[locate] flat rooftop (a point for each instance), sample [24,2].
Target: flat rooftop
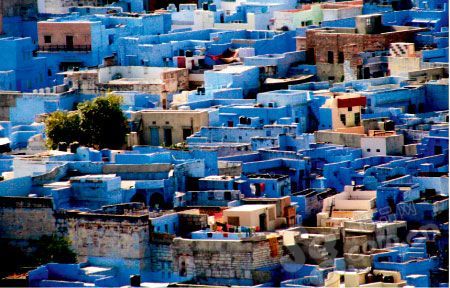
[249,208]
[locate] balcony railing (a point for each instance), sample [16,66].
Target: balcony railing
[77,48]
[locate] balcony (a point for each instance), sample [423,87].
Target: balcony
[55,48]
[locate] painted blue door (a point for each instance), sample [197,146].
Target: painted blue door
[154,136]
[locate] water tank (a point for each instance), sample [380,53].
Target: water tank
[73,147]
[135,280]
[62,146]
[389,125]
[369,24]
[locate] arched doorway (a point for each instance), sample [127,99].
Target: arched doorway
[138,197]
[156,200]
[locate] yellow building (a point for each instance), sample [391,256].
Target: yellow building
[167,127]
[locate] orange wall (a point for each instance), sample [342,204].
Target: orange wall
[81,33]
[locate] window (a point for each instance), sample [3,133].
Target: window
[437,150]
[341,57]
[69,41]
[166,228]
[110,39]
[378,150]
[350,109]
[330,57]
[47,39]
[310,55]
[357,119]
[227,195]
[343,119]
[368,149]
[210,195]
[182,269]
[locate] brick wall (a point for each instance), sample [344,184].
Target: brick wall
[350,44]
[160,253]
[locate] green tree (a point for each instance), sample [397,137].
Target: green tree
[99,123]
[102,122]
[54,249]
[62,126]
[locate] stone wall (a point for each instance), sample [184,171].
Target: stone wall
[338,138]
[215,260]
[26,218]
[116,236]
[161,251]
[192,222]
[7,100]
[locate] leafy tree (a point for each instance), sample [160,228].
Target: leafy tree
[62,127]
[102,122]
[54,249]
[99,123]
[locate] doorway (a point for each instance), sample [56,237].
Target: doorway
[69,42]
[263,222]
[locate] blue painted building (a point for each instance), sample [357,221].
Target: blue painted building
[19,69]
